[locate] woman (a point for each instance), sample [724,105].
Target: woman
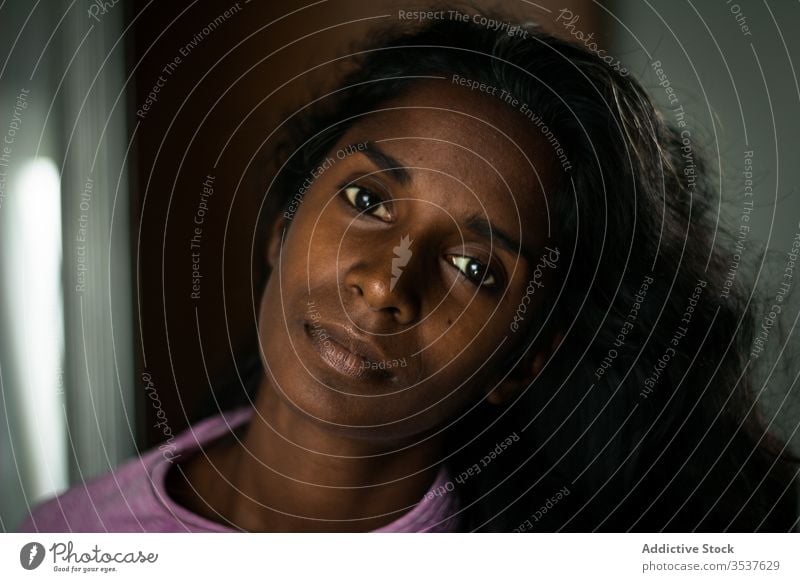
[494,303]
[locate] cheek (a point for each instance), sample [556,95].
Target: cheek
[459,367]
[474,344]
[479,329]
[318,242]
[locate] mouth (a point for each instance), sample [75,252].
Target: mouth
[346,354]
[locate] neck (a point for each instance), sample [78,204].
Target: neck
[290,473]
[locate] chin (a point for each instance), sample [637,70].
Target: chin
[377,418]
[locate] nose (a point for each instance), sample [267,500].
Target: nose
[384,277]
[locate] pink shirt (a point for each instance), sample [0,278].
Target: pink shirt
[133,498]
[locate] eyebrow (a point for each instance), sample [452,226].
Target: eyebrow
[482,227]
[393,167]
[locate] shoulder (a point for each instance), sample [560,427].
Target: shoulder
[106,503]
[132,498]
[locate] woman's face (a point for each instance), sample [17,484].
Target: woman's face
[392,293]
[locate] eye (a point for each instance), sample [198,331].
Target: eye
[474,270]
[366,201]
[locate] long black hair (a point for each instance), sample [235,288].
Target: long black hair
[645,417]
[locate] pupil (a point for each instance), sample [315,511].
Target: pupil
[474,269]
[363,200]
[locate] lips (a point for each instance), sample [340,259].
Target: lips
[344,352]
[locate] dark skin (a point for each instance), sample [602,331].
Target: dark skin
[328,452]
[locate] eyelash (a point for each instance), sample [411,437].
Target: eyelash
[350,187]
[488,274]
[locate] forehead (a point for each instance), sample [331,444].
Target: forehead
[466,144]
